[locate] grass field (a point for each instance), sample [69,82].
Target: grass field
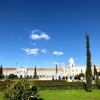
[1,96]
[70,95]
[67,95]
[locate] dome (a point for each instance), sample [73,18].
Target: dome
[71,61]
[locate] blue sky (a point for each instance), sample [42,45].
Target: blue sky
[45,32]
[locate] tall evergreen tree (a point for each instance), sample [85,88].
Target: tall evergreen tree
[1,72]
[95,71]
[56,70]
[35,72]
[88,66]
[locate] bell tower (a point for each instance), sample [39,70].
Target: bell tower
[71,63]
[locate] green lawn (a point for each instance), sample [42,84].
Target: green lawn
[70,95]
[67,95]
[1,96]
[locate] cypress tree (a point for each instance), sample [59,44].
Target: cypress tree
[56,70]
[1,72]
[35,72]
[88,66]
[95,71]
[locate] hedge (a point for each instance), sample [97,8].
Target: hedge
[60,85]
[49,84]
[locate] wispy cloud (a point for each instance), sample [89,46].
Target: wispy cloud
[34,51]
[58,53]
[38,34]
[43,50]
[31,51]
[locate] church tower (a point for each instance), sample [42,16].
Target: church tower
[71,63]
[71,68]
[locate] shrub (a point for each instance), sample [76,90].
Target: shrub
[59,77]
[2,85]
[77,77]
[22,90]
[5,83]
[12,76]
[63,78]
[81,75]
[2,76]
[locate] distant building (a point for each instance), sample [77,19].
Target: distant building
[70,71]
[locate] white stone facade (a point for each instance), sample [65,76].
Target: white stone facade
[70,71]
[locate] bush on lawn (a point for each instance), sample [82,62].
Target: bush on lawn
[4,84]
[12,76]
[22,90]
[77,77]
[2,76]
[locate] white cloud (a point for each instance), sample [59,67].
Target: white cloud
[58,53]
[36,31]
[38,34]
[43,50]
[31,51]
